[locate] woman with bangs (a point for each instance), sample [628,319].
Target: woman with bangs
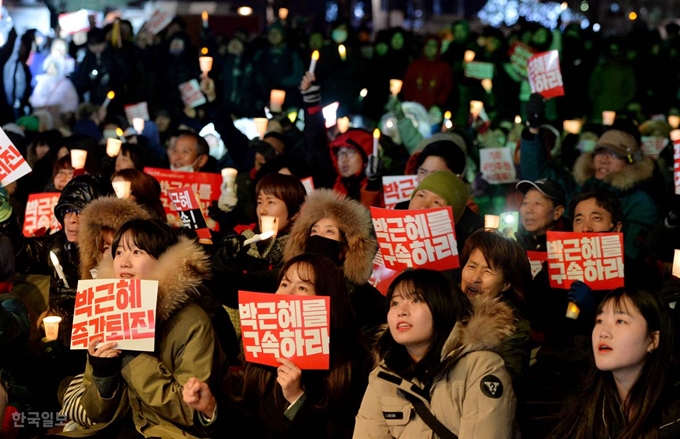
[286,401]
[631,392]
[438,372]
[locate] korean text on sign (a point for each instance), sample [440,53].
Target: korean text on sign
[497,165]
[293,327]
[40,213]
[381,276]
[398,188]
[545,76]
[519,57]
[120,310]
[416,238]
[676,166]
[191,93]
[189,210]
[12,163]
[593,258]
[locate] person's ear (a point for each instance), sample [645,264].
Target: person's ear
[559,210]
[618,226]
[654,342]
[202,160]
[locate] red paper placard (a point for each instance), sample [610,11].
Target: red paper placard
[416,238]
[39,213]
[12,163]
[398,188]
[381,277]
[593,258]
[544,73]
[189,210]
[282,326]
[536,260]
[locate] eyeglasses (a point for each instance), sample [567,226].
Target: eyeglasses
[69,210]
[345,153]
[608,153]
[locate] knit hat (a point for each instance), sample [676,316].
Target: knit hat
[360,140]
[31,123]
[620,143]
[448,186]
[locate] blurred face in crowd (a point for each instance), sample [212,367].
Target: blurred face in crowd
[235,46]
[315,41]
[425,199]
[431,49]
[431,164]
[298,280]
[607,162]
[131,262]
[275,37]
[184,153]
[478,277]
[124,161]
[538,213]
[460,32]
[327,228]
[41,149]
[259,161]
[589,217]
[349,161]
[58,48]
[277,144]
[71,224]
[64,175]
[162,122]
[410,321]
[270,205]
[397,41]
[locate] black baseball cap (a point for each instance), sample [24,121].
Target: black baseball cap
[547,187]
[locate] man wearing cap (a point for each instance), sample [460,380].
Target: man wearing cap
[541,210]
[616,164]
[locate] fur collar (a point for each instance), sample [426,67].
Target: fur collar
[355,224]
[179,272]
[628,178]
[105,213]
[489,324]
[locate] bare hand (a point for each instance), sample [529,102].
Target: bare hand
[208,87]
[289,377]
[307,81]
[106,350]
[197,395]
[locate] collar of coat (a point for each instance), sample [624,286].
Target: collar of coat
[179,272]
[623,180]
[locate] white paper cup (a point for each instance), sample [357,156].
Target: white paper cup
[121,188]
[469,56]
[51,324]
[229,175]
[608,117]
[342,124]
[78,157]
[276,99]
[261,124]
[206,63]
[138,124]
[572,126]
[476,108]
[572,311]
[269,223]
[395,86]
[113,146]
[492,221]
[674,121]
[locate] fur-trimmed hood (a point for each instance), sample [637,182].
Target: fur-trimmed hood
[354,221]
[179,272]
[624,180]
[491,321]
[106,213]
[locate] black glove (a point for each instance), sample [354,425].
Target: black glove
[535,110]
[374,174]
[232,246]
[670,290]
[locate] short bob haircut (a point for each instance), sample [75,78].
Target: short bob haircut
[151,235]
[447,304]
[604,199]
[286,188]
[503,254]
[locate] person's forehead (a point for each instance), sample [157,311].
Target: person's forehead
[592,204]
[533,193]
[185,142]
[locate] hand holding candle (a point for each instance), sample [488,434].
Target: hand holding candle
[476,108]
[608,118]
[110,95]
[258,238]
[205,63]
[51,324]
[312,63]
[276,99]
[113,146]
[395,86]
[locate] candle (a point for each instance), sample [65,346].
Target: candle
[608,117]
[51,324]
[376,138]
[60,271]
[138,124]
[343,124]
[121,188]
[312,63]
[258,238]
[674,121]
[572,311]
[342,51]
[269,223]
[476,108]
[204,18]
[572,126]
[518,119]
[469,56]
[363,93]
[261,124]
[487,84]
[229,175]
[205,62]
[492,221]
[395,86]
[110,95]
[283,13]
[113,146]
[675,135]
[276,99]
[78,157]
[676,264]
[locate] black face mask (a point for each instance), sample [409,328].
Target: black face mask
[329,248]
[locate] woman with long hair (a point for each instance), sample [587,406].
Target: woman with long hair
[629,393]
[437,360]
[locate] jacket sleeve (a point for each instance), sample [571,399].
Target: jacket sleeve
[489,405]
[641,215]
[370,422]
[97,408]
[159,388]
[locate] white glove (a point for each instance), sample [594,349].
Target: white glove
[228,199]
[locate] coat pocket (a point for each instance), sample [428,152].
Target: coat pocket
[396,411]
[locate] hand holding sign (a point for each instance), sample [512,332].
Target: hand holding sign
[289,377]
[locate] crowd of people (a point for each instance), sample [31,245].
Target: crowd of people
[480,351]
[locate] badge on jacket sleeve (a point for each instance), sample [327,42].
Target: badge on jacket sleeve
[492,387]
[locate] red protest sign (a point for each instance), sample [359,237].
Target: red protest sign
[652,146]
[39,213]
[205,185]
[398,188]
[381,277]
[519,57]
[279,326]
[416,238]
[497,165]
[138,110]
[192,95]
[536,260]
[190,212]
[544,73]
[12,163]
[593,258]
[120,310]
